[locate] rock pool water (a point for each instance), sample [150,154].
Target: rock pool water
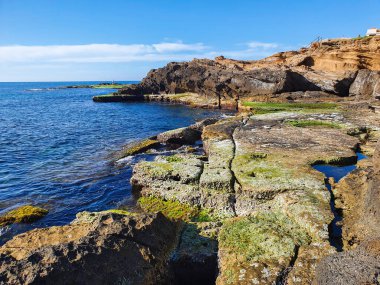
[55,147]
[336,172]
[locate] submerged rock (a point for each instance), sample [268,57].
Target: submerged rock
[138,147]
[24,214]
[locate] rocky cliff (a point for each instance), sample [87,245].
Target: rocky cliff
[329,66]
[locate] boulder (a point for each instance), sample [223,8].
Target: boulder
[111,249]
[366,85]
[331,82]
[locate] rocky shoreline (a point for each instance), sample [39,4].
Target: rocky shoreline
[250,209]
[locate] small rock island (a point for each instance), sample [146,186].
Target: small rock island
[252,208]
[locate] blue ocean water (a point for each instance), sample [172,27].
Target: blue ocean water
[55,147]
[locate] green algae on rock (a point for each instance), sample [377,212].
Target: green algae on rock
[258,248]
[173,210]
[313,123]
[271,107]
[24,214]
[138,147]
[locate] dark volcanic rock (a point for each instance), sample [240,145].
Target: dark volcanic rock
[208,77]
[105,248]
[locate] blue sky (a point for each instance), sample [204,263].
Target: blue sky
[64,40]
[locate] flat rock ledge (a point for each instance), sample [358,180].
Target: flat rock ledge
[258,182]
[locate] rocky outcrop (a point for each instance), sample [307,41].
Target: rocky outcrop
[186,135]
[253,209]
[335,55]
[330,66]
[105,248]
[209,78]
[357,195]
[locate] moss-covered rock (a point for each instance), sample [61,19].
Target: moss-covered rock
[138,147]
[173,210]
[171,178]
[24,214]
[258,248]
[313,123]
[273,107]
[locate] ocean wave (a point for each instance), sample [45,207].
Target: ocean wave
[35,89]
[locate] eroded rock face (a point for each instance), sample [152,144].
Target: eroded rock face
[335,55]
[106,248]
[366,85]
[207,77]
[195,261]
[330,66]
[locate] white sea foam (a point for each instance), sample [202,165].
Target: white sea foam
[125,160]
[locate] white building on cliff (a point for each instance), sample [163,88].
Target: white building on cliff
[373,32]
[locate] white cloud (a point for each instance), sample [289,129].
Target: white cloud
[260,45]
[111,61]
[255,50]
[99,53]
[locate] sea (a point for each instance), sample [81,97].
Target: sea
[57,148]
